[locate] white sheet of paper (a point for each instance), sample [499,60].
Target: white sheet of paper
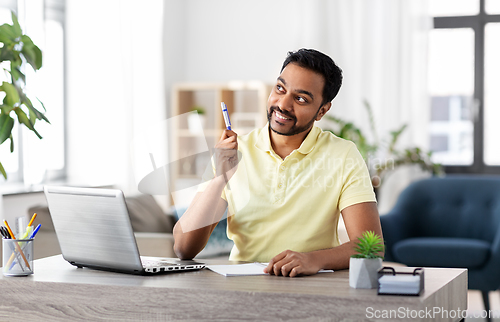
[244,269]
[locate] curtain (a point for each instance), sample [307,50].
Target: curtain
[381,45]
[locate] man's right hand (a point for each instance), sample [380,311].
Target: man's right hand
[226,155]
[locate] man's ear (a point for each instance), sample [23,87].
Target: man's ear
[322,110]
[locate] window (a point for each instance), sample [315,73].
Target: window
[33,159]
[463,71]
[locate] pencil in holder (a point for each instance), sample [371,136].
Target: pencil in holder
[17,259]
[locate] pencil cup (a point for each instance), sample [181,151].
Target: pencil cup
[17,257]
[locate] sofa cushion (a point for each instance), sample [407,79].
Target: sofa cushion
[442,252]
[147,216]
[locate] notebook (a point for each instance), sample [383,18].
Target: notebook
[94,230]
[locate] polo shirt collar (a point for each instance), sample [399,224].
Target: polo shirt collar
[264,141]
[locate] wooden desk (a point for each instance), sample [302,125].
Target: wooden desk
[60,292]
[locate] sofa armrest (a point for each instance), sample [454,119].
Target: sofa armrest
[394,229]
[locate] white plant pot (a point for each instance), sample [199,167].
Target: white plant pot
[363,272]
[196,123]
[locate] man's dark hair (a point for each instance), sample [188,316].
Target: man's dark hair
[319,63]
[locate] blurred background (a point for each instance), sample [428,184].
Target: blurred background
[111,68]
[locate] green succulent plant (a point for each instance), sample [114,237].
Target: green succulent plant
[370,245]
[17,50]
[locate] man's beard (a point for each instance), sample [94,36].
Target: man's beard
[294,129]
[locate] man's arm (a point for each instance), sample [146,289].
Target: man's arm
[192,231]
[358,218]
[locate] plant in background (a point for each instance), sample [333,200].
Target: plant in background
[17,50]
[370,245]
[199,109]
[382,156]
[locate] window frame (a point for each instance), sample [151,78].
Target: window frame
[52,10]
[477,23]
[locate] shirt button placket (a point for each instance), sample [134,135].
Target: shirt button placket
[280,190]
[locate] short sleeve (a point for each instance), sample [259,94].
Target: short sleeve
[357,186]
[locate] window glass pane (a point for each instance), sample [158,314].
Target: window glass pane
[491,94]
[439,8]
[51,93]
[451,87]
[492,6]
[47,85]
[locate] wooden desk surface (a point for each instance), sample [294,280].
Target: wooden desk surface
[59,291]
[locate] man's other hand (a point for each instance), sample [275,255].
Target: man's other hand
[290,263]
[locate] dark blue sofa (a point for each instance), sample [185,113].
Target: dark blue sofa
[449,222]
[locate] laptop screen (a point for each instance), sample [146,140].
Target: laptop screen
[93,227]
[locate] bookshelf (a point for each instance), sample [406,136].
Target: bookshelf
[191,144]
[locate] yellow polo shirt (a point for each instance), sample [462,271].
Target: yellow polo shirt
[295,203]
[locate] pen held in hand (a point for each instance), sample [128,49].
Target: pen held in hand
[226,115]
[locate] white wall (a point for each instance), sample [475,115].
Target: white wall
[115,85]
[228,40]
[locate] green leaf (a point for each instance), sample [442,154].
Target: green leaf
[16,28]
[395,136]
[11,94]
[6,54]
[7,34]
[23,118]
[43,106]
[6,109]
[369,246]
[27,102]
[31,52]
[16,74]
[6,125]
[2,170]
[11,144]
[32,117]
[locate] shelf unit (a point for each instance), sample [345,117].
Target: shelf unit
[246,103]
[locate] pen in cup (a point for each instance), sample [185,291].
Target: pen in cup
[6,235]
[26,234]
[17,245]
[226,115]
[33,234]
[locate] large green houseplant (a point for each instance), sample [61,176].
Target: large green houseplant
[382,156]
[17,50]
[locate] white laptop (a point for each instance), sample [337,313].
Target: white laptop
[94,230]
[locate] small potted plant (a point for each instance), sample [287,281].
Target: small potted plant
[364,265]
[196,119]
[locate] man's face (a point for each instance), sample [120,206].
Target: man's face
[295,101]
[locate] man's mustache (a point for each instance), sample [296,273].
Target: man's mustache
[287,114]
